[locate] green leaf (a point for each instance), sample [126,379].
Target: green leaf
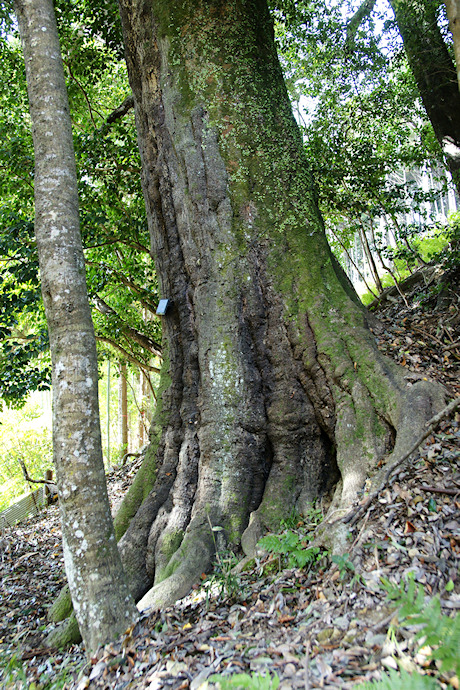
[243,680]
[402,681]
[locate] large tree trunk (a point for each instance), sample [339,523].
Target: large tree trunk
[434,73]
[273,387]
[102,601]
[453,14]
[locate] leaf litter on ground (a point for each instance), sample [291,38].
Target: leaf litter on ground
[327,626]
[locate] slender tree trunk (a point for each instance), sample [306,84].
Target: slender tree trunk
[386,266]
[123,409]
[401,235]
[350,258]
[143,409]
[272,385]
[370,259]
[102,602]
[434,73]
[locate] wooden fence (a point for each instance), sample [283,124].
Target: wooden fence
[28,505]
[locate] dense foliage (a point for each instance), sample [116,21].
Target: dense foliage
[364,128]
[366,132]
[120,274]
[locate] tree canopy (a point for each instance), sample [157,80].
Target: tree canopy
[362,118]
[120,276]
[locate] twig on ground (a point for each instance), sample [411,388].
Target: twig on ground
[383,623]
[356,541]
[452,346]
[435,490]
[354,516]
[306,663]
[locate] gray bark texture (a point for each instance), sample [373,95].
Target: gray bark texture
[273,390]
[102,601]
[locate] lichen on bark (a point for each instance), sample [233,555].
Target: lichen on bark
[101,597]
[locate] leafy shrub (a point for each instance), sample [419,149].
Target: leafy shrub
[292,543]
[346,567]
[244,680]
[438,631]
[292,546]
[448,237]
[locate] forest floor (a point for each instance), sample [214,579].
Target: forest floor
[328,625]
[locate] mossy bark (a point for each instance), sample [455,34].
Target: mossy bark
[61,608]
[276,388]
[65,634]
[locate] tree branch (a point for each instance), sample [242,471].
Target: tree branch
[357,19]
[139,338]
[121,111]
[127,355]
[128,283]
[29,479]
[90,108]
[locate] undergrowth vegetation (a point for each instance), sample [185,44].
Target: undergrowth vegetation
[434,637]
[256,681]
[25,435]
[439,244]
[437,634]
[14,676]
[292,544]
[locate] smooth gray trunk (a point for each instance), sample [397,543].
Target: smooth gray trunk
[102,602]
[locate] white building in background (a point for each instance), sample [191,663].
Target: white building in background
[425,217]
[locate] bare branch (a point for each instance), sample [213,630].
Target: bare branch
[357,19]
[29,479]
[127,355]
[85,95]
[121,111]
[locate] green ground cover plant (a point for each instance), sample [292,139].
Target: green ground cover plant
[437,630]
[402,681]
[292,544]
[256,681]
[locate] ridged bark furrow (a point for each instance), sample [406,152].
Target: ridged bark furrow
[276,385]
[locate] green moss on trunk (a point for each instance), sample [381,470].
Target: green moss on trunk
[145,477]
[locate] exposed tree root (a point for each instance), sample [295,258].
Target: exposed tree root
[246,479]
[65,634]
[430,426]
[61,607]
